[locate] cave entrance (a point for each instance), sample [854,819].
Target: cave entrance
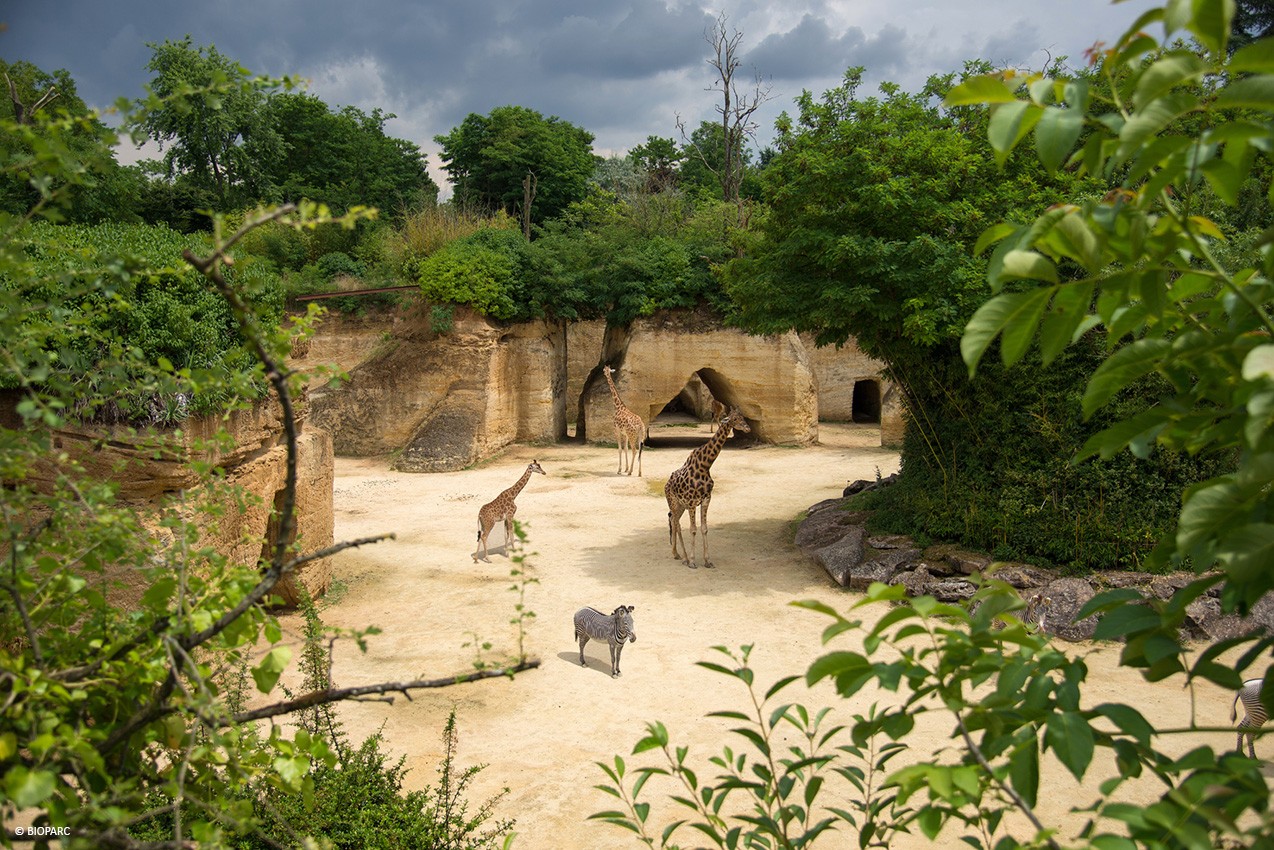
[271,538]
[865,406]
[686,418]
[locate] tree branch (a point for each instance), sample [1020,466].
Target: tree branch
[329,695]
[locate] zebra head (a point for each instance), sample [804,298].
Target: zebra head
[622,617]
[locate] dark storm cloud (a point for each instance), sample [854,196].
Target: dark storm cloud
[810,50]
[622,69]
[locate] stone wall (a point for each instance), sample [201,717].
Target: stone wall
[769,378]
[440,401]
[151,467]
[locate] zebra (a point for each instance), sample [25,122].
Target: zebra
[614,628]
[1254,716]
[1037,608]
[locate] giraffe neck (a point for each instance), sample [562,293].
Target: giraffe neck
[708,451]
[517,488]
[614,393]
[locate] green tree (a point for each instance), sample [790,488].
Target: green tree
[344,158]
[1144,268]
[660,159]
[99,189]
[112,718]
[488,159]
[219,150]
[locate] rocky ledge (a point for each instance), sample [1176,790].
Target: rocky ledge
[835,536]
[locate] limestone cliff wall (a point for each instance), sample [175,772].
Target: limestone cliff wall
[154,468]
[769,378]
[440,399]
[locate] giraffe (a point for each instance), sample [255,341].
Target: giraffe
[718,410]
[630,430]
[691,486]
[501,508]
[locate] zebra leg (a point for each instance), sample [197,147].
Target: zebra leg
[616,647]
[583,639]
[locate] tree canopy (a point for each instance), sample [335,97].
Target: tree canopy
[488,159]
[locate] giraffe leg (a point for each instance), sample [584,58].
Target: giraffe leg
[484,531]
[641,441]
[619,442]
[694,538]
[508,532]
[703,520]
[674,534]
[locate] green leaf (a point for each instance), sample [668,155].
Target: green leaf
[1126,365]
[1256,58]
[1166,73]
[1010,122]
[266,674]
[987,88]
[1071,739]
[1065,317]
[1247,553]
[1211,23]
[1003,313]
[29,788]
[1024,771]
[1254,92]
[1055,135]
[994,233]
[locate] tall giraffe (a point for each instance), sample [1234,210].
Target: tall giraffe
[501,508]
[691,487]
[630,430]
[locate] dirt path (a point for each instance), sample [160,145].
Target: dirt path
[600,539]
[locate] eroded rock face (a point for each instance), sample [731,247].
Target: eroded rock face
[769,378]
[443,401]
[834,536]
[152,468]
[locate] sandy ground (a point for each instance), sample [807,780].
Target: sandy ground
[600,539]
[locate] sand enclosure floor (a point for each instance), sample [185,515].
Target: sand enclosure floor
[600,539]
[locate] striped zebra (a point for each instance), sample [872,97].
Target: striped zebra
[1037,608]
[614,628]
[1254,716]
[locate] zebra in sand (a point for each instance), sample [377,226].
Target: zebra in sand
[614,628]
[1254,716]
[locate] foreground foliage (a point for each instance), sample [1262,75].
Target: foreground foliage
[1142,263]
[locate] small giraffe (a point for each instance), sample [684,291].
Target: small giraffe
[691,487]
[501,508]
[718,410]
[630,430]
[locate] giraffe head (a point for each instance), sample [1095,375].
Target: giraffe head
[535,467]
[607,371]
[736,421]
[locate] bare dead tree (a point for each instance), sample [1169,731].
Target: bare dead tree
[22,114]
[737,108]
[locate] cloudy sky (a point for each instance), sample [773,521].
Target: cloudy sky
[622,69]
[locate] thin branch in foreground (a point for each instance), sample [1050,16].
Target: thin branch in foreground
[323,697]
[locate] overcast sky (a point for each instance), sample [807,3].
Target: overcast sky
[621,69]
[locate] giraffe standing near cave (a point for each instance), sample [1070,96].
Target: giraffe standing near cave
[630,430]
[718,410]
[691,487]
[501,509]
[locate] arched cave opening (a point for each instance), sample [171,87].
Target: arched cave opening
[271,537]
[865,406]
[686,420]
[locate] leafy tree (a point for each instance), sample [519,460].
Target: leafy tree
[1146,270]
[344,159]
[660,159]
[488,159]
[99,189]
[107,710]
[220,150]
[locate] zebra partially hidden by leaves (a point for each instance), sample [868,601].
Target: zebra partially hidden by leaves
[1254,716]
[614,628]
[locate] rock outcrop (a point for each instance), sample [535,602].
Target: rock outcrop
[150,467]
[835,536]
[441,401]
[769,378]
